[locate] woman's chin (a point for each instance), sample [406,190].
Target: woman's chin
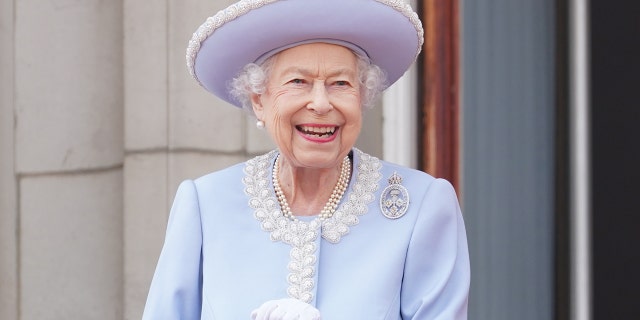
[317,159]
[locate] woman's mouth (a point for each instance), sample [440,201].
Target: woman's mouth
[317,132]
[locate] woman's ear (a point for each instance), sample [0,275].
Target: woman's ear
[257,105]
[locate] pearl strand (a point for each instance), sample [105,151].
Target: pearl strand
[332,204]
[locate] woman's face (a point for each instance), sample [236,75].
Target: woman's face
[311,106]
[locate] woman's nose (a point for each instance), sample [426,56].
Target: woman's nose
[319,99]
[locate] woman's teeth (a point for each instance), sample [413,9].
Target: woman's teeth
[321,132]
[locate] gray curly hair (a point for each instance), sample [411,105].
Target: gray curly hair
[253,77]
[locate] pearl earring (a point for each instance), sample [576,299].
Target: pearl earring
[260,124]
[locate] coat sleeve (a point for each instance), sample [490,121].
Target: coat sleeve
[437,272]
[176,288]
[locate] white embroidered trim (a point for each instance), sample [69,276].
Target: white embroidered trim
[244,6]
[302,235]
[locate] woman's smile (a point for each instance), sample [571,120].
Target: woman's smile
[317,132]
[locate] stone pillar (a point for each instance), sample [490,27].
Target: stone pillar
[175,130]
[146,136]
[69,153]
[8,200]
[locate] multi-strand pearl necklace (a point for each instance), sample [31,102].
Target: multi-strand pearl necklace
[331,205]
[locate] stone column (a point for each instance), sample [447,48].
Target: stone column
[8,200]
[69,153]
[146,135]
[175,130]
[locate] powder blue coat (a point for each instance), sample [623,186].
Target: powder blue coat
[222,257]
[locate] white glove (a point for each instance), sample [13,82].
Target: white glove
[285,309]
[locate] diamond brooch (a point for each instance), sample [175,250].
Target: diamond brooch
[394,201]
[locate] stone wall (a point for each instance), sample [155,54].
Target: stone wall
[62,158]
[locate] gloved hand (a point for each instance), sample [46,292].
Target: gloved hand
[285,309]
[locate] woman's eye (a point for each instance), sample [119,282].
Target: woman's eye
[296,81]
[342,83]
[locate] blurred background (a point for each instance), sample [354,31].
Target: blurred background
[528,106]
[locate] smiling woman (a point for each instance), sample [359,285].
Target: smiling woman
[315,87]
[312,89]
[297,232]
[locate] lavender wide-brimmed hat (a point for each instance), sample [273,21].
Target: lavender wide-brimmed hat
[388,32]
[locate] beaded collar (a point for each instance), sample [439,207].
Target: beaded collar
[302,235]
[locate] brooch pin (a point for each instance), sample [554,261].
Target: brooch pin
[394,201]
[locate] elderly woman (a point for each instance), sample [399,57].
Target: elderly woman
[315,228]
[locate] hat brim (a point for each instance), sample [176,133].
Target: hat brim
[391,36]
